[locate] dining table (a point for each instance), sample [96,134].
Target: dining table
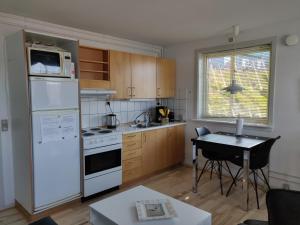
[230,142]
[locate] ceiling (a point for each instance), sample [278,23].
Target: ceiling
[161,22]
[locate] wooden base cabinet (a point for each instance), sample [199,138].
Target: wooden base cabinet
[162,148]
[177,149]
[145,153]
[131,156]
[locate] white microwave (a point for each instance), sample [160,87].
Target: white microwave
[49,62]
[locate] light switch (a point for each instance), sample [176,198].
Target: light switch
[4,125]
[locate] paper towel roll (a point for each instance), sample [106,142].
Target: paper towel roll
[239,126]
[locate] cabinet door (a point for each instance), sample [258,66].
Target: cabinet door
[176,145]
[120,74]
[180,144]
[162,148]
[143,76]
[149,155]
[166,78]
[172,148]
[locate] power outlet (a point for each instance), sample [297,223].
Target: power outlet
[286,186]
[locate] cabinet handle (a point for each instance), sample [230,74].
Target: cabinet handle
[131,136]
[131,153]
[145,138]
[158,91]
[133,91]
[131,145]
[129,91]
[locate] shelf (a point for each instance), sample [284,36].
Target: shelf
[94,71]
[91,83]
[93,61]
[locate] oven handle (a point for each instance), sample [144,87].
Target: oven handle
[93,151]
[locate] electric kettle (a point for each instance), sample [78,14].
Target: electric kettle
[111,121]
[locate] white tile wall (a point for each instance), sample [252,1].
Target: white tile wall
[93,110]
[181,105]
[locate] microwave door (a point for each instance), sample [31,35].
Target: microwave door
[45,63]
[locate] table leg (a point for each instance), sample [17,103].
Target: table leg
[195,168]
[245,181]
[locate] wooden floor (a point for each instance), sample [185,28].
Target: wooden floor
[175,183]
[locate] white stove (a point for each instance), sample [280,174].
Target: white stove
[98,137]
[102,159]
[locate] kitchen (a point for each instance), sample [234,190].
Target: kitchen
[87,116]
[112,154]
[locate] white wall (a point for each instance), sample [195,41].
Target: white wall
[10,24]
[285,155]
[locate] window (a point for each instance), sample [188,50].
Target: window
[251,68]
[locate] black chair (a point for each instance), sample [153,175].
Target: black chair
[214,156]
[259,158]
[283,208]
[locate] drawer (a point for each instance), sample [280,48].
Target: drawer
[131,153]
[132,163]
[132,174]
[130,145]
[132,137]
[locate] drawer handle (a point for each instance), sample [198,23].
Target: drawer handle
[130,136]
[131,145]
[131,153]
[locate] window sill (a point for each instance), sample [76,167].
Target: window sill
[232,123]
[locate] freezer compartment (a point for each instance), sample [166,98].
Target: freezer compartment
[53,93]
[56,156]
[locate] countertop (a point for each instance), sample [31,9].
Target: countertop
[126,129]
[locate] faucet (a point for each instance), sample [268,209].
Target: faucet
[147,116]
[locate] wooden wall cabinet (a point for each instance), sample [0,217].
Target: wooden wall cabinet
[94,68]
[143,76]
[132,75]
[165,78]
[120,74]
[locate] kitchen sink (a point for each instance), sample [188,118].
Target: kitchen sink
[149,125]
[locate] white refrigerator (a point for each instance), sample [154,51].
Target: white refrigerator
[56,141]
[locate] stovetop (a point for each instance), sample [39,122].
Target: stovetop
[95,137]
[95,131]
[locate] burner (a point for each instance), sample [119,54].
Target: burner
[104,131]
[95,129]
[83,131]
[88,134]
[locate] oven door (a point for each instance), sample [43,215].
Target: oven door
[103,160]
[44,62]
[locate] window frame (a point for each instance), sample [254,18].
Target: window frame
[201,83]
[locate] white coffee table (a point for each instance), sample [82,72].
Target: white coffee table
[120,209]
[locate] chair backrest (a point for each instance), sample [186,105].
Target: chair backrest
[283,207]
[202,131]
[259,156]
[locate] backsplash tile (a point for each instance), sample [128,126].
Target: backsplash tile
[93,110]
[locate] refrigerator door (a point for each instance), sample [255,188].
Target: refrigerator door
[56,157]
[53,93]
